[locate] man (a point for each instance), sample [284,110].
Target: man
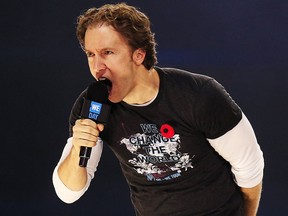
[184,146]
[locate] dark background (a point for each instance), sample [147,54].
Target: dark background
[243,44]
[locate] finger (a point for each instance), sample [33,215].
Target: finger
[86,122]
[100,127]
[83,142]
[82,139]
[87,130]
[86,127]
[85,136]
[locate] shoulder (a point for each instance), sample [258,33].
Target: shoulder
[212,107]
[182,77]
[76,109]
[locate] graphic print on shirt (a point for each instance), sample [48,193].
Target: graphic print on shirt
[157,157]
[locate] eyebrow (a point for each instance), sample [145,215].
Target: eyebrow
[106,48]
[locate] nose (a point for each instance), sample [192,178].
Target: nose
[96,66]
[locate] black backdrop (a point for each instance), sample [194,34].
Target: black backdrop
[243,44]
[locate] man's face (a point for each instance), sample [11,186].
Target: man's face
[110,58]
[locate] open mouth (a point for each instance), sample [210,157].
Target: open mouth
[107,83]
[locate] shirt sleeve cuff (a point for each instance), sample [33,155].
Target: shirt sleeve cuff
[64,193]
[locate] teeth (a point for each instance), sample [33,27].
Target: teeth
[102,78]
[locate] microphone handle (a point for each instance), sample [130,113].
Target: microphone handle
[100,116]
[84,155]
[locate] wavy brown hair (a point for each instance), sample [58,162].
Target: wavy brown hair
[132,24]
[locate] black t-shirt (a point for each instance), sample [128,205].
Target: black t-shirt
[163,151]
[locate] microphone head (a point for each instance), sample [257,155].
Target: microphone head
[98,91]
[96,105]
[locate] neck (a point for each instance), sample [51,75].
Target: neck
[146,88]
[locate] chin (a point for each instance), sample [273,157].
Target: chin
[114,100]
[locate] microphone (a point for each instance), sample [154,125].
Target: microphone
[95,107]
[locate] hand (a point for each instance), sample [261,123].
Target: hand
[85,133]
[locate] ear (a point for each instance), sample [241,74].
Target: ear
[139,56]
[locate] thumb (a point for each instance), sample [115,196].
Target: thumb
[100,127]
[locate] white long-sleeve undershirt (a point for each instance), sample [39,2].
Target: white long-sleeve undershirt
[240,148]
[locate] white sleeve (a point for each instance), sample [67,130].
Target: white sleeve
[240,148]
[64,193]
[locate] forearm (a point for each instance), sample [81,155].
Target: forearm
[251,197]
[64,177]
[71,174]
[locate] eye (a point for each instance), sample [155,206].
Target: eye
[107,52]
[89,54]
